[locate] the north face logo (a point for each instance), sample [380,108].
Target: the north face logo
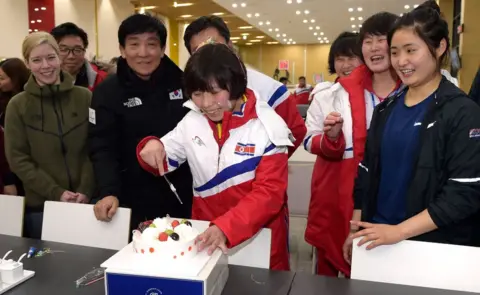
[133,102]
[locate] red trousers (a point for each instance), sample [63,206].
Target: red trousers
[324,267]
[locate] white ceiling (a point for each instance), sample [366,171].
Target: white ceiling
[330,17]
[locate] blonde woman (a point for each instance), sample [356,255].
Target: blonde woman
[45,133]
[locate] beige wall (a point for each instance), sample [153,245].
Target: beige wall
[305,60]
[469,43]
[14,26]
[446,7]
[81,13]
[110,14]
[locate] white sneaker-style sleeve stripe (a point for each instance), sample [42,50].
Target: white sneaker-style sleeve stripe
[466,180]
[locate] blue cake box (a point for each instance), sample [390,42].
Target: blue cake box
[126,274]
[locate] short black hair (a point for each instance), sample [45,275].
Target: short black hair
[346,44]
[142,23]
[283,79]
[69,29]
[429,25]
[203,23]
[301,77]
[378,24]
[215,64]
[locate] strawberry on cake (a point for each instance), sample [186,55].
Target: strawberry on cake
[166,238]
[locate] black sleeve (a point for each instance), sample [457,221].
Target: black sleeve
[362,182]
[460,196]
[9,178]
[103,142]
[475,88]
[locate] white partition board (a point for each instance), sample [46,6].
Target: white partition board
[11,215]
[419,264]
[73,223]
[254,252]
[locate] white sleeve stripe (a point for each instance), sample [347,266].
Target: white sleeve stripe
[279,96]
[275,150]
[307,143]
[466,180]
[363,166]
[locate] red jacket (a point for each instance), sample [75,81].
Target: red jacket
[278,97]
[302,95]
[331,203]
[95,76]
[240,173]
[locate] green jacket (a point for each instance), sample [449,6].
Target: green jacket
[46,140]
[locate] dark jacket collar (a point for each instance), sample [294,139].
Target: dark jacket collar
[445,92]
[161,78]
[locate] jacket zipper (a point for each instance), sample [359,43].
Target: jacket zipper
[427,118]
[62,144]
[377,146]
[219,127]
[378,134]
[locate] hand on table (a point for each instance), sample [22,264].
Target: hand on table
[83,199]
[212,239]
[377,234]
[106,208]
[153,153]
[10,190]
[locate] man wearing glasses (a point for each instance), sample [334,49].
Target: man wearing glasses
[73,42]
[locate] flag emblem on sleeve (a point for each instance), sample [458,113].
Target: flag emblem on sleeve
[245,149]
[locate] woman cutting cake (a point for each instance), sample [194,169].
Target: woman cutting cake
[236,146]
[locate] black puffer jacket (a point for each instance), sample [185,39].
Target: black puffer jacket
[124,110]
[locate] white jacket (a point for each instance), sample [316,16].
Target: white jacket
[193,140]
[331,97]
[268,89]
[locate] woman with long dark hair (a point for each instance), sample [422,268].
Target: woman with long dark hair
[14,75]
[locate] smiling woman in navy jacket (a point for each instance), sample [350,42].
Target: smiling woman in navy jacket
[420,177]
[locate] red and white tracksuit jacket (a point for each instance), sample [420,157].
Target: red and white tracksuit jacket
[95,76]
[240,171]
[302,94]
[282,101]
[331,203]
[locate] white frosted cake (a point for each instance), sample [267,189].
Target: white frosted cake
[166,238]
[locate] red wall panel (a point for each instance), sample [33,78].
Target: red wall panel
[41,15]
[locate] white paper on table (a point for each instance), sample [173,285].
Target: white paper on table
[422,264]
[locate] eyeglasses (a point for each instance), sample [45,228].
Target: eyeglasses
[76,51]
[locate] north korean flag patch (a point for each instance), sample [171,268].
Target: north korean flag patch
[242,149]
[177,94]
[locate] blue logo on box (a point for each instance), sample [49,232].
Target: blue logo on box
[153,291]
[122,284]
